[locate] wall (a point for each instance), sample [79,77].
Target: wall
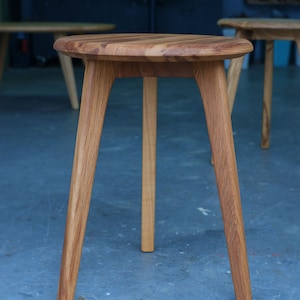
[133,15]
[172,16]
[4,10]
[236,8]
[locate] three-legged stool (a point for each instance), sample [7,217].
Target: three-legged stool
[267,29]
[150,56]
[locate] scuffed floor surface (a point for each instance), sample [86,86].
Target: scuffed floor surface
[37,136]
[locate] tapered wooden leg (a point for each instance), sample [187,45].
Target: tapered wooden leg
[234,72]
[267,101]
[233,77]
[4,37]
[149,163]
[98,80]
[68,72]
[210,77]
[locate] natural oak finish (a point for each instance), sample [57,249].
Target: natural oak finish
[58,29]
[260,29]
[150,56]
[149,162]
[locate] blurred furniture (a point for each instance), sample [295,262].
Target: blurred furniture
[111,56]
[58,30]
[267,30]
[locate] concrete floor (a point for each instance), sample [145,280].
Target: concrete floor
[190,262]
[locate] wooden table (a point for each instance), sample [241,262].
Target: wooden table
[260,29]
[58,29]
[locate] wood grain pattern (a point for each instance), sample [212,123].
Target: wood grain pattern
[260,29]
[149,163]
[210,77]
[152,47]
[98,80]
[99,76]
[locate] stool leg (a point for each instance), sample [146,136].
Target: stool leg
[210,77]
[234,73]
[98,80]
[68,72]
[267,101]
[233,77]
[149,162]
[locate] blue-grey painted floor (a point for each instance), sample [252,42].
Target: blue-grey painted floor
[37,135]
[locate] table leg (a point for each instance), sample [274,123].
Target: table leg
[68,72]
[267,101]
[4,38]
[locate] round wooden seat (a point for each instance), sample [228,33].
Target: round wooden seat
[153,47]
[150,56]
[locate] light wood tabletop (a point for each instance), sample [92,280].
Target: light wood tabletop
[58,29]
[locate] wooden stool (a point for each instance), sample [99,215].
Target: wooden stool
[150,56]
[58,29]
[260,29]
